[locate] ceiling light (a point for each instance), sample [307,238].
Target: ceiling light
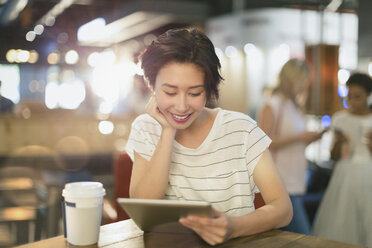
[30,36]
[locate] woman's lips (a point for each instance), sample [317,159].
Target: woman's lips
[180,118]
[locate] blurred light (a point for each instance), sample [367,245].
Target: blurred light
[33,86]
[34,56]
[30,36]
[326,120]
[39,29]
[15,10]
[53,58]
[52,95]
[94,59]
[71,94]
[11,55]
[50,20]
[342,91]
[280,55]
[254,56]
[107,57]
[102,116]
[112,82]
[148,39]
[67,76]
[62,38]
[345,104]
[105,108]
[106,127]
[231,51]
[26,113]
[219,53]
[23,56]
[52,74]
[71,57]
[139,70]
[370,68]
[285,50]
[343,75]
[10,77]
[91,30]
[249,48]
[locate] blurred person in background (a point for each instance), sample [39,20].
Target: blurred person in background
[345,213]
[282,118]
[6,105]
[183,150]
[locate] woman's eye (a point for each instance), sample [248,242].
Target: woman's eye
[195,94]
[170,93]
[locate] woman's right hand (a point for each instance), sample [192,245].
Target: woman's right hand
[153,110]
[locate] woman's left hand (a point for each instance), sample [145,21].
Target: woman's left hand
[212,230]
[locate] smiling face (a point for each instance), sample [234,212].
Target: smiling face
[357,99]
[180,93]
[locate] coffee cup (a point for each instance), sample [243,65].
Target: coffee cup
[83,212]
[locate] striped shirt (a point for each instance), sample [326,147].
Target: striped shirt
[219,171]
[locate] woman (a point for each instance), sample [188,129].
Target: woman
[345,213]
[183,150]
[282,119]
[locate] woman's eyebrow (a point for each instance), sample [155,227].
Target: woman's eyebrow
[175,87]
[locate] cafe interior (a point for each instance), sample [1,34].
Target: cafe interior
[71,69]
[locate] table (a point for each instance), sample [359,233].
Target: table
[127,234]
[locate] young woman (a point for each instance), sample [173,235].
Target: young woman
[283,120]
[345,213]
[183,150]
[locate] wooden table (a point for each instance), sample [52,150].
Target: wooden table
[126,234]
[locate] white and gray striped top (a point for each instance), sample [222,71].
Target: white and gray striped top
[219,171]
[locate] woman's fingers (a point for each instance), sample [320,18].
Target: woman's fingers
[212,230]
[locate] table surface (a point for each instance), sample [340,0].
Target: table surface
[126,234]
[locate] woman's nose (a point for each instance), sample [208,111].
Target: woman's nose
[181,104]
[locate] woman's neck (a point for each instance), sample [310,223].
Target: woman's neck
[194,135]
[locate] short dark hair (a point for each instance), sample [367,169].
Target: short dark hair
[183,46]
[360,79]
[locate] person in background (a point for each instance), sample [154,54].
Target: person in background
[183,150]
[6,105]
[345,213]
[282,118]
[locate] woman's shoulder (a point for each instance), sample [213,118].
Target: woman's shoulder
[229,117]
[145,120]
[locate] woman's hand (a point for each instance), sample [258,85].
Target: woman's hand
[212,230]
[153,110]
[309,137]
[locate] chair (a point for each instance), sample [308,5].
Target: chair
[122,173]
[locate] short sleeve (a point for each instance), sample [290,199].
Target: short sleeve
[256,144]
[140,140]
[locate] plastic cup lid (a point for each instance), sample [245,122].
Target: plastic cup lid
[83,190]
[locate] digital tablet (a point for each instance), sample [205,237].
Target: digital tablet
[149,214]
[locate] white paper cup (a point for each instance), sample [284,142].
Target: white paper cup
[83,211]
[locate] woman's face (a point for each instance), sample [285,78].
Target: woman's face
[180,93]
[357,99]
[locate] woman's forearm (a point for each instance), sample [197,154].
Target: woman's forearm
[281,142]
[154,174]
[274,215]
